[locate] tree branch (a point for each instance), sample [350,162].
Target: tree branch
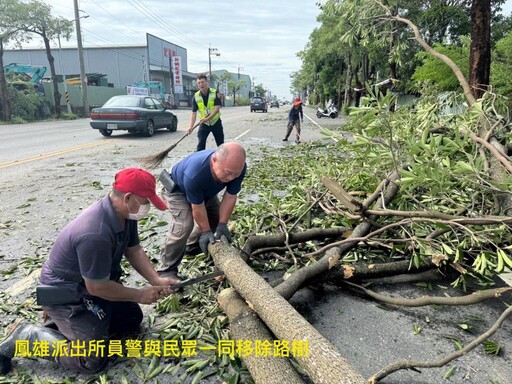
[445,59]
[497,154]
[408,364]
[475,297]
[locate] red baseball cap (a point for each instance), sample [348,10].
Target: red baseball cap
[140,183]
[297,101]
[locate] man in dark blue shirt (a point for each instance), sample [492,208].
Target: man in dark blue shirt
[198,179]
[86,262]
[295,117]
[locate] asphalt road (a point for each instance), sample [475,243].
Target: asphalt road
[28,146]
[50,171]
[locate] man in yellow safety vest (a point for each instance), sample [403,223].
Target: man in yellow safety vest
[207,102]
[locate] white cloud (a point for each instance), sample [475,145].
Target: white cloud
[262,37]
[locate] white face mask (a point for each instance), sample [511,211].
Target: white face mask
[143,211]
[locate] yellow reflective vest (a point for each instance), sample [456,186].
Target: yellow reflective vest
[204,110]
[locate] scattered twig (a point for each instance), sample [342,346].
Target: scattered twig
[306,211]
[411,364]
[287,244]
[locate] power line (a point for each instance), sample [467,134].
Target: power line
[138,55]
[152,16]
[98,5]
[158,20]
[178,33]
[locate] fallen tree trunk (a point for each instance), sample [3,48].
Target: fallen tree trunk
[245,325]
[322,362]
[364,271]
[256,242]
[393,272]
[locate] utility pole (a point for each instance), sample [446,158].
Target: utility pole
[66,94]
[239,69]
[145,74]
[211,51]
[83,79]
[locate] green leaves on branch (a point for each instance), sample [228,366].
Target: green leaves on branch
[441,171]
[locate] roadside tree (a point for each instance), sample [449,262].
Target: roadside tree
[10,31]
[234,87]
[40,21]
[259,90]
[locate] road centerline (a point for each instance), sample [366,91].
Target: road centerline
[53,153]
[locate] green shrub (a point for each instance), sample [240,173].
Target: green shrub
[68,116]
[17,120]
[240,100]
[26,103]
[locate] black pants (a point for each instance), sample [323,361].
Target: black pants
[205,130]
[95,322]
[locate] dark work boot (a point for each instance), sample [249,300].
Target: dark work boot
[25,331]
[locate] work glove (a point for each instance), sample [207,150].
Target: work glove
[205,239]
[223,230]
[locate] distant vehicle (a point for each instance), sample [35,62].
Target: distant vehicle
[24,76]
[274,103]
[258,104]
[331,111]
[32,73]
[136,114]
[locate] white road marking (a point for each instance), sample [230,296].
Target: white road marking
[313,121]
[243,134]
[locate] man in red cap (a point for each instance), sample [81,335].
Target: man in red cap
[295,117]
[85,264]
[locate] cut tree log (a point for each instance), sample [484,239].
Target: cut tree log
[322,362]
[245,325]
